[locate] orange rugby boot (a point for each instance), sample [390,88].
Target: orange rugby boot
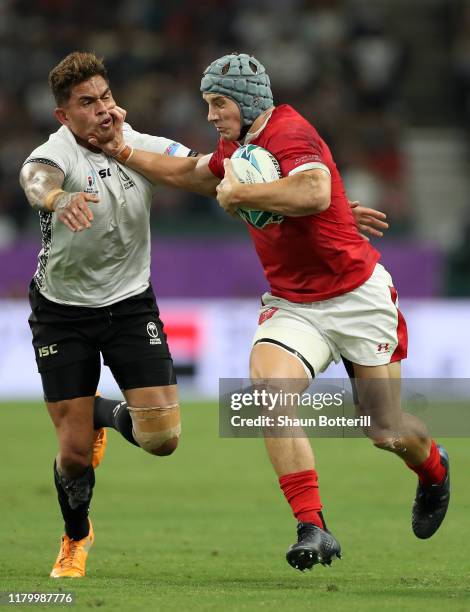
[100,440]
[71,560]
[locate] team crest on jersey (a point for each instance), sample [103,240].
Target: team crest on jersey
[125,179]
[91,186]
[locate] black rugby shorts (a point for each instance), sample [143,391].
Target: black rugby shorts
[68,341]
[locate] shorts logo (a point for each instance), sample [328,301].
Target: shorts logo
[267,314]
[383,347]
[46,351]
[152,331]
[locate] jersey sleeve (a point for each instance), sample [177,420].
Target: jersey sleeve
[297,149]
[54,153]
[216,162]
[156,144]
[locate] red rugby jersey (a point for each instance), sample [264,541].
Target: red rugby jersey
[311,258]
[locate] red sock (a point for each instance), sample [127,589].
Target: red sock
[301,491]
[430,471]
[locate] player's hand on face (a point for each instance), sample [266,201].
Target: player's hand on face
[113,142]
[119,116]
[226,189]
[369,220]
[73,211]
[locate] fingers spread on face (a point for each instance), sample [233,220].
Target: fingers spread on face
[118,114]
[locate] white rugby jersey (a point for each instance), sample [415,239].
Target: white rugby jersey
[110,261]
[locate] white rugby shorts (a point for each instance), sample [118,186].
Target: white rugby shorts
[364,325]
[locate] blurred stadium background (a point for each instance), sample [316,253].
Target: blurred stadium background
[387,83]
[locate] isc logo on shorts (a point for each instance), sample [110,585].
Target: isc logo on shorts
[152,331]
[46,351]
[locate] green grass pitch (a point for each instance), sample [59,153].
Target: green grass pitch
[207,528]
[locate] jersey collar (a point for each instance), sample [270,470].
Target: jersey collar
[252,135]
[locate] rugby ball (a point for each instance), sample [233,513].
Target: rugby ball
[253,164]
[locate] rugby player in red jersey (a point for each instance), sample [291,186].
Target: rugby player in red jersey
[329,297]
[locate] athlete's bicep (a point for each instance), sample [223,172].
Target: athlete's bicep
[38,179]
[322,175]
[313,188]
[320,181]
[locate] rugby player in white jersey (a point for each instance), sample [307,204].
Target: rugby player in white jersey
[329,295]
[91,294]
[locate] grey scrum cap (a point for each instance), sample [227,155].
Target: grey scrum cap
[243,79]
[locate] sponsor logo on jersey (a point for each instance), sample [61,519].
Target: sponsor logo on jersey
[172,148]
[267,314]
[125,179]
[152,331]
[104,172]
[305,159]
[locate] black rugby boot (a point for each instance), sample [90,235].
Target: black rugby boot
[431,503]
[314,545]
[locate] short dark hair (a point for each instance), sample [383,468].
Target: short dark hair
[77,67]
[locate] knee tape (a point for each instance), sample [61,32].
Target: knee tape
[152,427]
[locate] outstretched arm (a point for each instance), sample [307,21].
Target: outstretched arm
[42,185]
[188,173]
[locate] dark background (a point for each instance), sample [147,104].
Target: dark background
[385,82]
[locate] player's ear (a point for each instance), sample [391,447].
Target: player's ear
[61,115]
